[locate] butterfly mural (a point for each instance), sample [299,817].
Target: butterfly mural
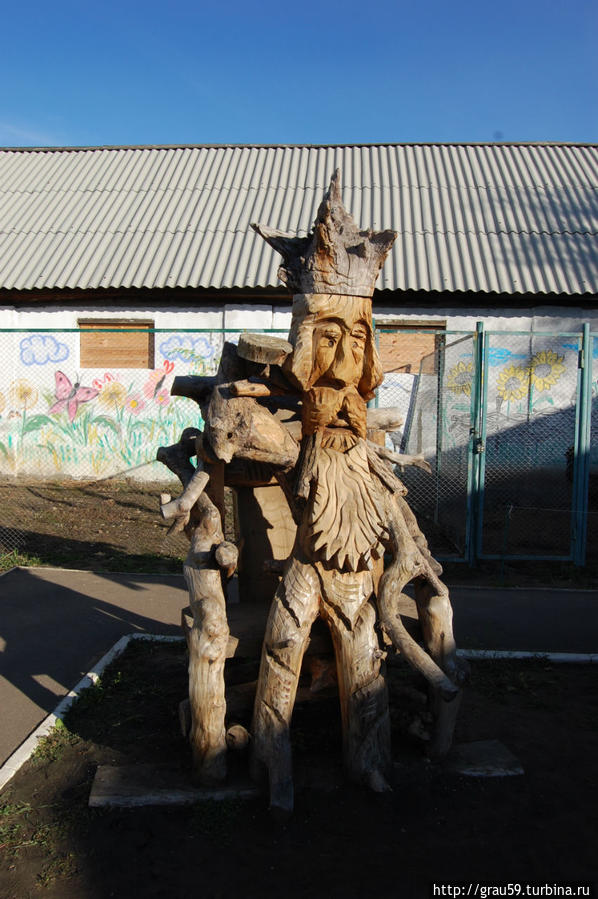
[69,395]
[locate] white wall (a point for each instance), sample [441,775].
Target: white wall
[541,318]
[35,442]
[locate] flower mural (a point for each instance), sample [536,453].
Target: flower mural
[134,403]
[460,377]
[546,368]
[52,425]
[112,395]
[22,395]
[513,383]
[162,397]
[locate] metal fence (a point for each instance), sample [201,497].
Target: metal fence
[504,418]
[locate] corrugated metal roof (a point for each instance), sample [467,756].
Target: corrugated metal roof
[510,218]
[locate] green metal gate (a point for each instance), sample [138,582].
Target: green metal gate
[504,418]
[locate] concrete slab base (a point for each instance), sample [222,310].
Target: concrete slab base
[130,786]
[484,758]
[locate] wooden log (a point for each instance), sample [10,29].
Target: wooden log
[261,389]
[194,387]
[401,459]
[255,389]
[178,456]
[362,689]
[406,565]
[265,349]
[385,419]
[383,471]
[233,643]
[207,641]
[293,611]
[180,509]
[240,428]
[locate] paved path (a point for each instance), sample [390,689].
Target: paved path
[56,624]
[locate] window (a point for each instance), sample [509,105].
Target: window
[409,347]
[118,347]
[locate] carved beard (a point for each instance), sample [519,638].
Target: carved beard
[343,525]
[341,408]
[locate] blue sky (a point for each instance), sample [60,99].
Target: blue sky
[319,71]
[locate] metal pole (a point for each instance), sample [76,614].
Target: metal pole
[473,468]
[581,478]
[441,345]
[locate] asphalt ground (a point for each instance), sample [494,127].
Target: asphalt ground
[55,624]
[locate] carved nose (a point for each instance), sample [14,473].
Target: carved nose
[343,367]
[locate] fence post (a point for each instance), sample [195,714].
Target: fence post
[581,467]
[475,485]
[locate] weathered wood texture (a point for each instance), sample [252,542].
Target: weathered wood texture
[337,256]
[349,506]
[319,504]
[268,531]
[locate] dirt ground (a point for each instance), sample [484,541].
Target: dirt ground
[105,526]
[435,827]
[116,526]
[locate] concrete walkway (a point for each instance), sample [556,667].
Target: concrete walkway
[56,624]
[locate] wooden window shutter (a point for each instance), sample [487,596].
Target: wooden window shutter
[118,347]
[409,348]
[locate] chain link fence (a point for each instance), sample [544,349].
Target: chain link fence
[496,415]
[499,417]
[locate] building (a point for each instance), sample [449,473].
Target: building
[95,242]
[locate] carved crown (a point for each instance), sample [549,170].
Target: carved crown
[336,257]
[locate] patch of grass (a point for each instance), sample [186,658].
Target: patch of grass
[131,708]
[12,821]
[16,559]
[51,748]
[18,830]
[61,865]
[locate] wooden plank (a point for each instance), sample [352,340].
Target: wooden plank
[118,348]
[405,351]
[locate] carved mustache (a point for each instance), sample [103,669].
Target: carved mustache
[323,406]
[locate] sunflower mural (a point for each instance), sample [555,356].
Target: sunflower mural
[546,368]
[525,381]
[513,383]
[22,395]
[460,377]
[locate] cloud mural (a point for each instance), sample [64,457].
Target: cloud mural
[40,349]
[187,349]
[501,355]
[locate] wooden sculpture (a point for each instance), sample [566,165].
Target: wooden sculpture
[295,414]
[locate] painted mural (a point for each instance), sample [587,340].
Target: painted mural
[531,398]
[58,421]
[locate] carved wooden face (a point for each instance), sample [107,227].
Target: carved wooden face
[338,351]
[333,344]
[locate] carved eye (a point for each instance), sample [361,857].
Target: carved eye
[331,341]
